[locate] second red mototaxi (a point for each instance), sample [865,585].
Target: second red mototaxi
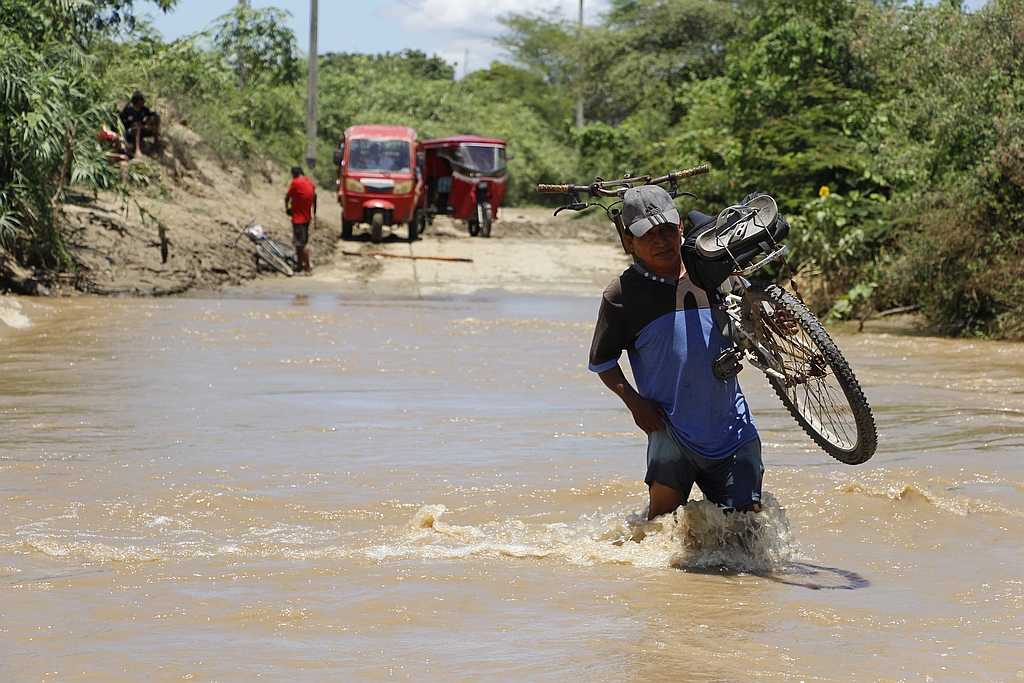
[465,178]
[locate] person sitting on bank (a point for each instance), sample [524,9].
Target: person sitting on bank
[140,121]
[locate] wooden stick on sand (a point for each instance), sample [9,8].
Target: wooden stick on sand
[384,253]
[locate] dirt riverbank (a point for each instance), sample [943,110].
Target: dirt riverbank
[181,234]
[529,253]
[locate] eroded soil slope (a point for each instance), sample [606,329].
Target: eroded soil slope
[181,233]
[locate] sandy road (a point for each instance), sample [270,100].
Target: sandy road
[530,253]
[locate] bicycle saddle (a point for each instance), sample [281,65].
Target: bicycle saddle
[698,220]
[737,226]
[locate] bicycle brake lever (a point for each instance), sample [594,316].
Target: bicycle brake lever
[578,206]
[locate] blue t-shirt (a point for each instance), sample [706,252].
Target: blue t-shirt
[668,330]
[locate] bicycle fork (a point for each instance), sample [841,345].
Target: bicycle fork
[729,315]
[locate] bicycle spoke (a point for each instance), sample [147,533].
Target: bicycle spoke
[810,380]
[821,401]
[820,398]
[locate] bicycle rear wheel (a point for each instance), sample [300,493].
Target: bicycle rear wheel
[268,255]
[811,376]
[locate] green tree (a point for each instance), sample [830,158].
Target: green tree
[544,45]
[646,49]
[257,45]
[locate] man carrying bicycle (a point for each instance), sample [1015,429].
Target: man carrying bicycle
[699,427]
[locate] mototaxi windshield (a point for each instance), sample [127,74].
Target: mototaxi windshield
[381,156]
[483,159]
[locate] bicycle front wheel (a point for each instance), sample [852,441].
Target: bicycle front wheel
[810,375]
[268,255]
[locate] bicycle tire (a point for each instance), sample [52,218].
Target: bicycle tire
[267,254]
[819,390]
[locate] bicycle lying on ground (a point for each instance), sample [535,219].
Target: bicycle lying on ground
[267,250]
[771,328]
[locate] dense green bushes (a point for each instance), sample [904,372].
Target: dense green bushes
[952,147]
[892,134]
[51,106]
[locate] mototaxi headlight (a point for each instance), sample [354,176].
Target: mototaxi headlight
[404,187]
[353,185]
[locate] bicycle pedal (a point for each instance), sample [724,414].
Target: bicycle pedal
[727,364]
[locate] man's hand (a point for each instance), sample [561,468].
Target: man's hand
[648,415]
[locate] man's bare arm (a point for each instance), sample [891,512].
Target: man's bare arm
[648,415]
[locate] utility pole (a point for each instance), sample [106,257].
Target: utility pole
[240,54]
[311,96]
[465,65]
[579,72]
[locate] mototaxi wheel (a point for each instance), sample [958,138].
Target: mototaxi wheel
[485,223]
[415,225]
[377,227]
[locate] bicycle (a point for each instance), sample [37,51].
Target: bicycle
[770,328]
[267,249]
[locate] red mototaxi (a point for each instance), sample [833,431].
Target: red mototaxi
[465,178]
[379,180]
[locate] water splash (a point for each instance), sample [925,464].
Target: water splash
[698,536]
[10,313]
[93,552]
[710,538]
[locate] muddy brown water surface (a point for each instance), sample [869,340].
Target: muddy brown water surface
[327,488]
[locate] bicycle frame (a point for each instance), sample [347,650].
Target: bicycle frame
[273,245]
[753,350]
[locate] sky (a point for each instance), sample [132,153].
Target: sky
[447,28]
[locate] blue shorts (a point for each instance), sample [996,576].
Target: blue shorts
[731,482]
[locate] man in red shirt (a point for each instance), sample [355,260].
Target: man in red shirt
[300,204]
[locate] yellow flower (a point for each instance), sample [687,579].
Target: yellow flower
[823,192]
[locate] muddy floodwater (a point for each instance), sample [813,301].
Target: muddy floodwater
[341,488]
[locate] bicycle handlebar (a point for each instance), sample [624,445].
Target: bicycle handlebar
[614,188]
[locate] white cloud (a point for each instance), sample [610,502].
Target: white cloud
[472,25]
[472,16]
